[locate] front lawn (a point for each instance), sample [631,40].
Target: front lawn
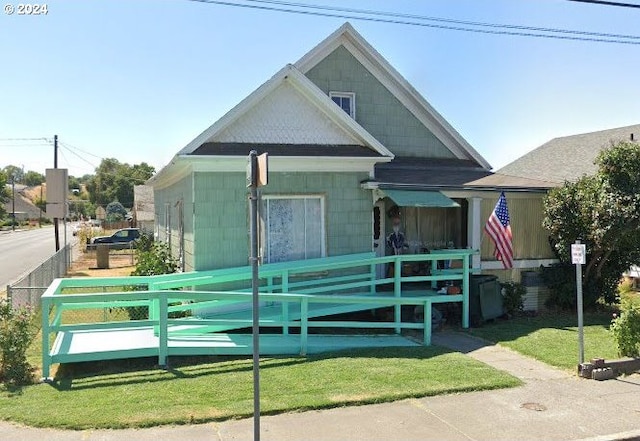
[218,389]
[553,337]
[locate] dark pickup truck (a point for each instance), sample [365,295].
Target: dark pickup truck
[121,239]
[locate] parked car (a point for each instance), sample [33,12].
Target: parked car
[119,240]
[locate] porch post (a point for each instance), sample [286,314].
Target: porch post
[46,356]
[475,231]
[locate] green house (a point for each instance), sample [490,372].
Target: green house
[349,142]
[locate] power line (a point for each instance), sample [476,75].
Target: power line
[64,146]
[24,145]
[447,20]
[26,139]
[608,3]
[81,150]
[327,12]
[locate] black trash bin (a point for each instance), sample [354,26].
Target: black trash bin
[485,298]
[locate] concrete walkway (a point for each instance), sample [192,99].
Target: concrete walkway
[552,405]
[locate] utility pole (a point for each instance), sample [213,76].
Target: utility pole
[56,228]
[13,203]
[40,206]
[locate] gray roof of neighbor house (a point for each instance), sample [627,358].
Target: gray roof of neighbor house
[23,204]
[567,158]
[510,183]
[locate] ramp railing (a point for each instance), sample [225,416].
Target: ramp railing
[298,290]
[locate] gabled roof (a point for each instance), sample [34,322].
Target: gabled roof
[348,37]
[291,76]
[569,157]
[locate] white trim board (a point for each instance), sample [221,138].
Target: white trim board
[517,264]
[380,68]
[182,165]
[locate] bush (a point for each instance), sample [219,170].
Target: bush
[513,294]
[85,234]
[626,326]
[560,278]
[115,212]
[153,258]
[17,330]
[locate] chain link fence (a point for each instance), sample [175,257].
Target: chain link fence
[28,290]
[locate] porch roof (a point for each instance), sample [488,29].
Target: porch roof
[429,173]
[417,198]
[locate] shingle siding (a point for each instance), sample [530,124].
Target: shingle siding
[377,110]
[221,213]
[168,198]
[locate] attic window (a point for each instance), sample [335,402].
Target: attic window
[346,101]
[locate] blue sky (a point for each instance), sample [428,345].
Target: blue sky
[139,79]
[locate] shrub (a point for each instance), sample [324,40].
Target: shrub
[153,258]
[17,330]
[560,278]
[115,212]
[513,294]
[85,234]
[626,326]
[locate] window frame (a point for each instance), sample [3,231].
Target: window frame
[264,236]
[351,96]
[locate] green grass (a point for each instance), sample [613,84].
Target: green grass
[131,394]
[553,338]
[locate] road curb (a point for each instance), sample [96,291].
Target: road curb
[622,436]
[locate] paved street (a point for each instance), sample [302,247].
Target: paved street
[21,251]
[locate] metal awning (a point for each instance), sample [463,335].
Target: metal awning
[417,198]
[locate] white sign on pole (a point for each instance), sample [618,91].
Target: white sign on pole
[57,192]
[579,258]
[578,254]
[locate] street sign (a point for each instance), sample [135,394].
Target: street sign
[57,192]
[578,253]
[579,258]
[257,170]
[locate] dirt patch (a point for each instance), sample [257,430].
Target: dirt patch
[121,263]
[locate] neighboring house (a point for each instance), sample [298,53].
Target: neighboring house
[348,140]
[569,157]
[24,208]
[552,164]
[143,208]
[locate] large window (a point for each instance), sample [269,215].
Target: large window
[346,101]
[292,228]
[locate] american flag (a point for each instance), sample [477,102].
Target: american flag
[499,230]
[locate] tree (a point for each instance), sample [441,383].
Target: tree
[4,193]
[115,212]
[13,172]
[33,178]
[74,183]
[114,181]
[603,210]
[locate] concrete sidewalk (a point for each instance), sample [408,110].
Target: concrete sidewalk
[552,405]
